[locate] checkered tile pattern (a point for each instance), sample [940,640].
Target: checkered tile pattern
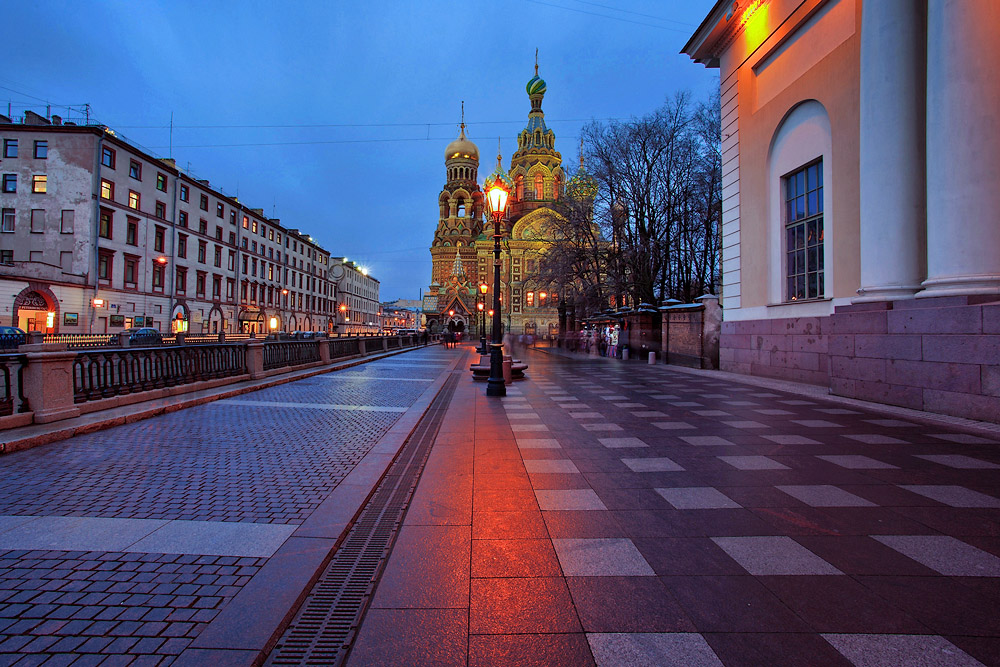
[682,519]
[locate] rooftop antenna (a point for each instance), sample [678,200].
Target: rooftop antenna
[581,152]
[171,134]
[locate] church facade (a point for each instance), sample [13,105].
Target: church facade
[462,248]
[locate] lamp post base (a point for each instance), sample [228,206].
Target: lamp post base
[495,385]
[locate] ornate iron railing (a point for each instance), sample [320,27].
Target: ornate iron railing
[392,343]
[344,347]
[101,374]
[289,353]
[12,340]
[12,384]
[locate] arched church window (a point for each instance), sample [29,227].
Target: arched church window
[461,210]
[539,186]
[556,187]
[519,187]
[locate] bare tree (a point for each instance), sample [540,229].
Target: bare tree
[658,201]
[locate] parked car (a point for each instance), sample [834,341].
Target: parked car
[143,336]
[11,337]
[304,335]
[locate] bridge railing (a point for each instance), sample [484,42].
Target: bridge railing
[46,382]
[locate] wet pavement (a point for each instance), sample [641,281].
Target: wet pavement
[125,545]
[624,514]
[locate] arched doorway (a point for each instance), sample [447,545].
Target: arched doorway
[216,320]
[252,321]
[36,309]
[179,319]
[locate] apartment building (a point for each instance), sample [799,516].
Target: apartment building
[97,235]
[358,307]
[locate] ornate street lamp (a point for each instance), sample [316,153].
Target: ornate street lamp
[498,188]
[483,289]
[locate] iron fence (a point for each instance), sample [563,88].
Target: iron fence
[344,347]
[289,353]
[12,378]
[101,374]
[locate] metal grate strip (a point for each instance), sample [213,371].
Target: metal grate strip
[322,631]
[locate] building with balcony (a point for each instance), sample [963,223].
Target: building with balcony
[97,235]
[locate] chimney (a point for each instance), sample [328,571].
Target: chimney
[204,181]
[167,160]
[258,211]
[56,120]
[32,118]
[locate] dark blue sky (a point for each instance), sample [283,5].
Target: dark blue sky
[391,75]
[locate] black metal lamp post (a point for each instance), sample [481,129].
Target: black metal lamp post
[483,288]
[498,188]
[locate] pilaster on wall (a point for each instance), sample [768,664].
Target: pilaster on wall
[730,191]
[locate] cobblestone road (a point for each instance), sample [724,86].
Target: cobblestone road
[223,484]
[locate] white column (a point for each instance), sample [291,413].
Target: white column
[893,211]
[963,148]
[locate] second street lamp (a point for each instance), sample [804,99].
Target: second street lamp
[483,288]
[498,187]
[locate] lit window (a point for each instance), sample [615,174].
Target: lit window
[39,184]
[10,148]
[253,227]
[161,182]
[41,150]
[530,298]
[107,189]
[539,186]
[804,233]
[133,199]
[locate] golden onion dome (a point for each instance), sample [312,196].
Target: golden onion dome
[461,148]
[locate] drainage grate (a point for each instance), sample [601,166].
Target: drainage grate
[324,627]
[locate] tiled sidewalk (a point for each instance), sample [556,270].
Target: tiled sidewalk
[636,515]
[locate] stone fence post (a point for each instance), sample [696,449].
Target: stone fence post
[255,358]
[711,329]
[324,350]
[362,348]
[48,382]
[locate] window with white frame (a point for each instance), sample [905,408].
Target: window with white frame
[803,213]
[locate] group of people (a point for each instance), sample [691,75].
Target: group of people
[451,338]
[606,339]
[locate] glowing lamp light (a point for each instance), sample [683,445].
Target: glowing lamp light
[50,320]
[274,322]
[161,260]
[479,306]
[343,308]
[491,312]
[364,270]
[284,291]
[98,303]
[451,313]
[484,288]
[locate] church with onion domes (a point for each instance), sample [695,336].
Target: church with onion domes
[462,248]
